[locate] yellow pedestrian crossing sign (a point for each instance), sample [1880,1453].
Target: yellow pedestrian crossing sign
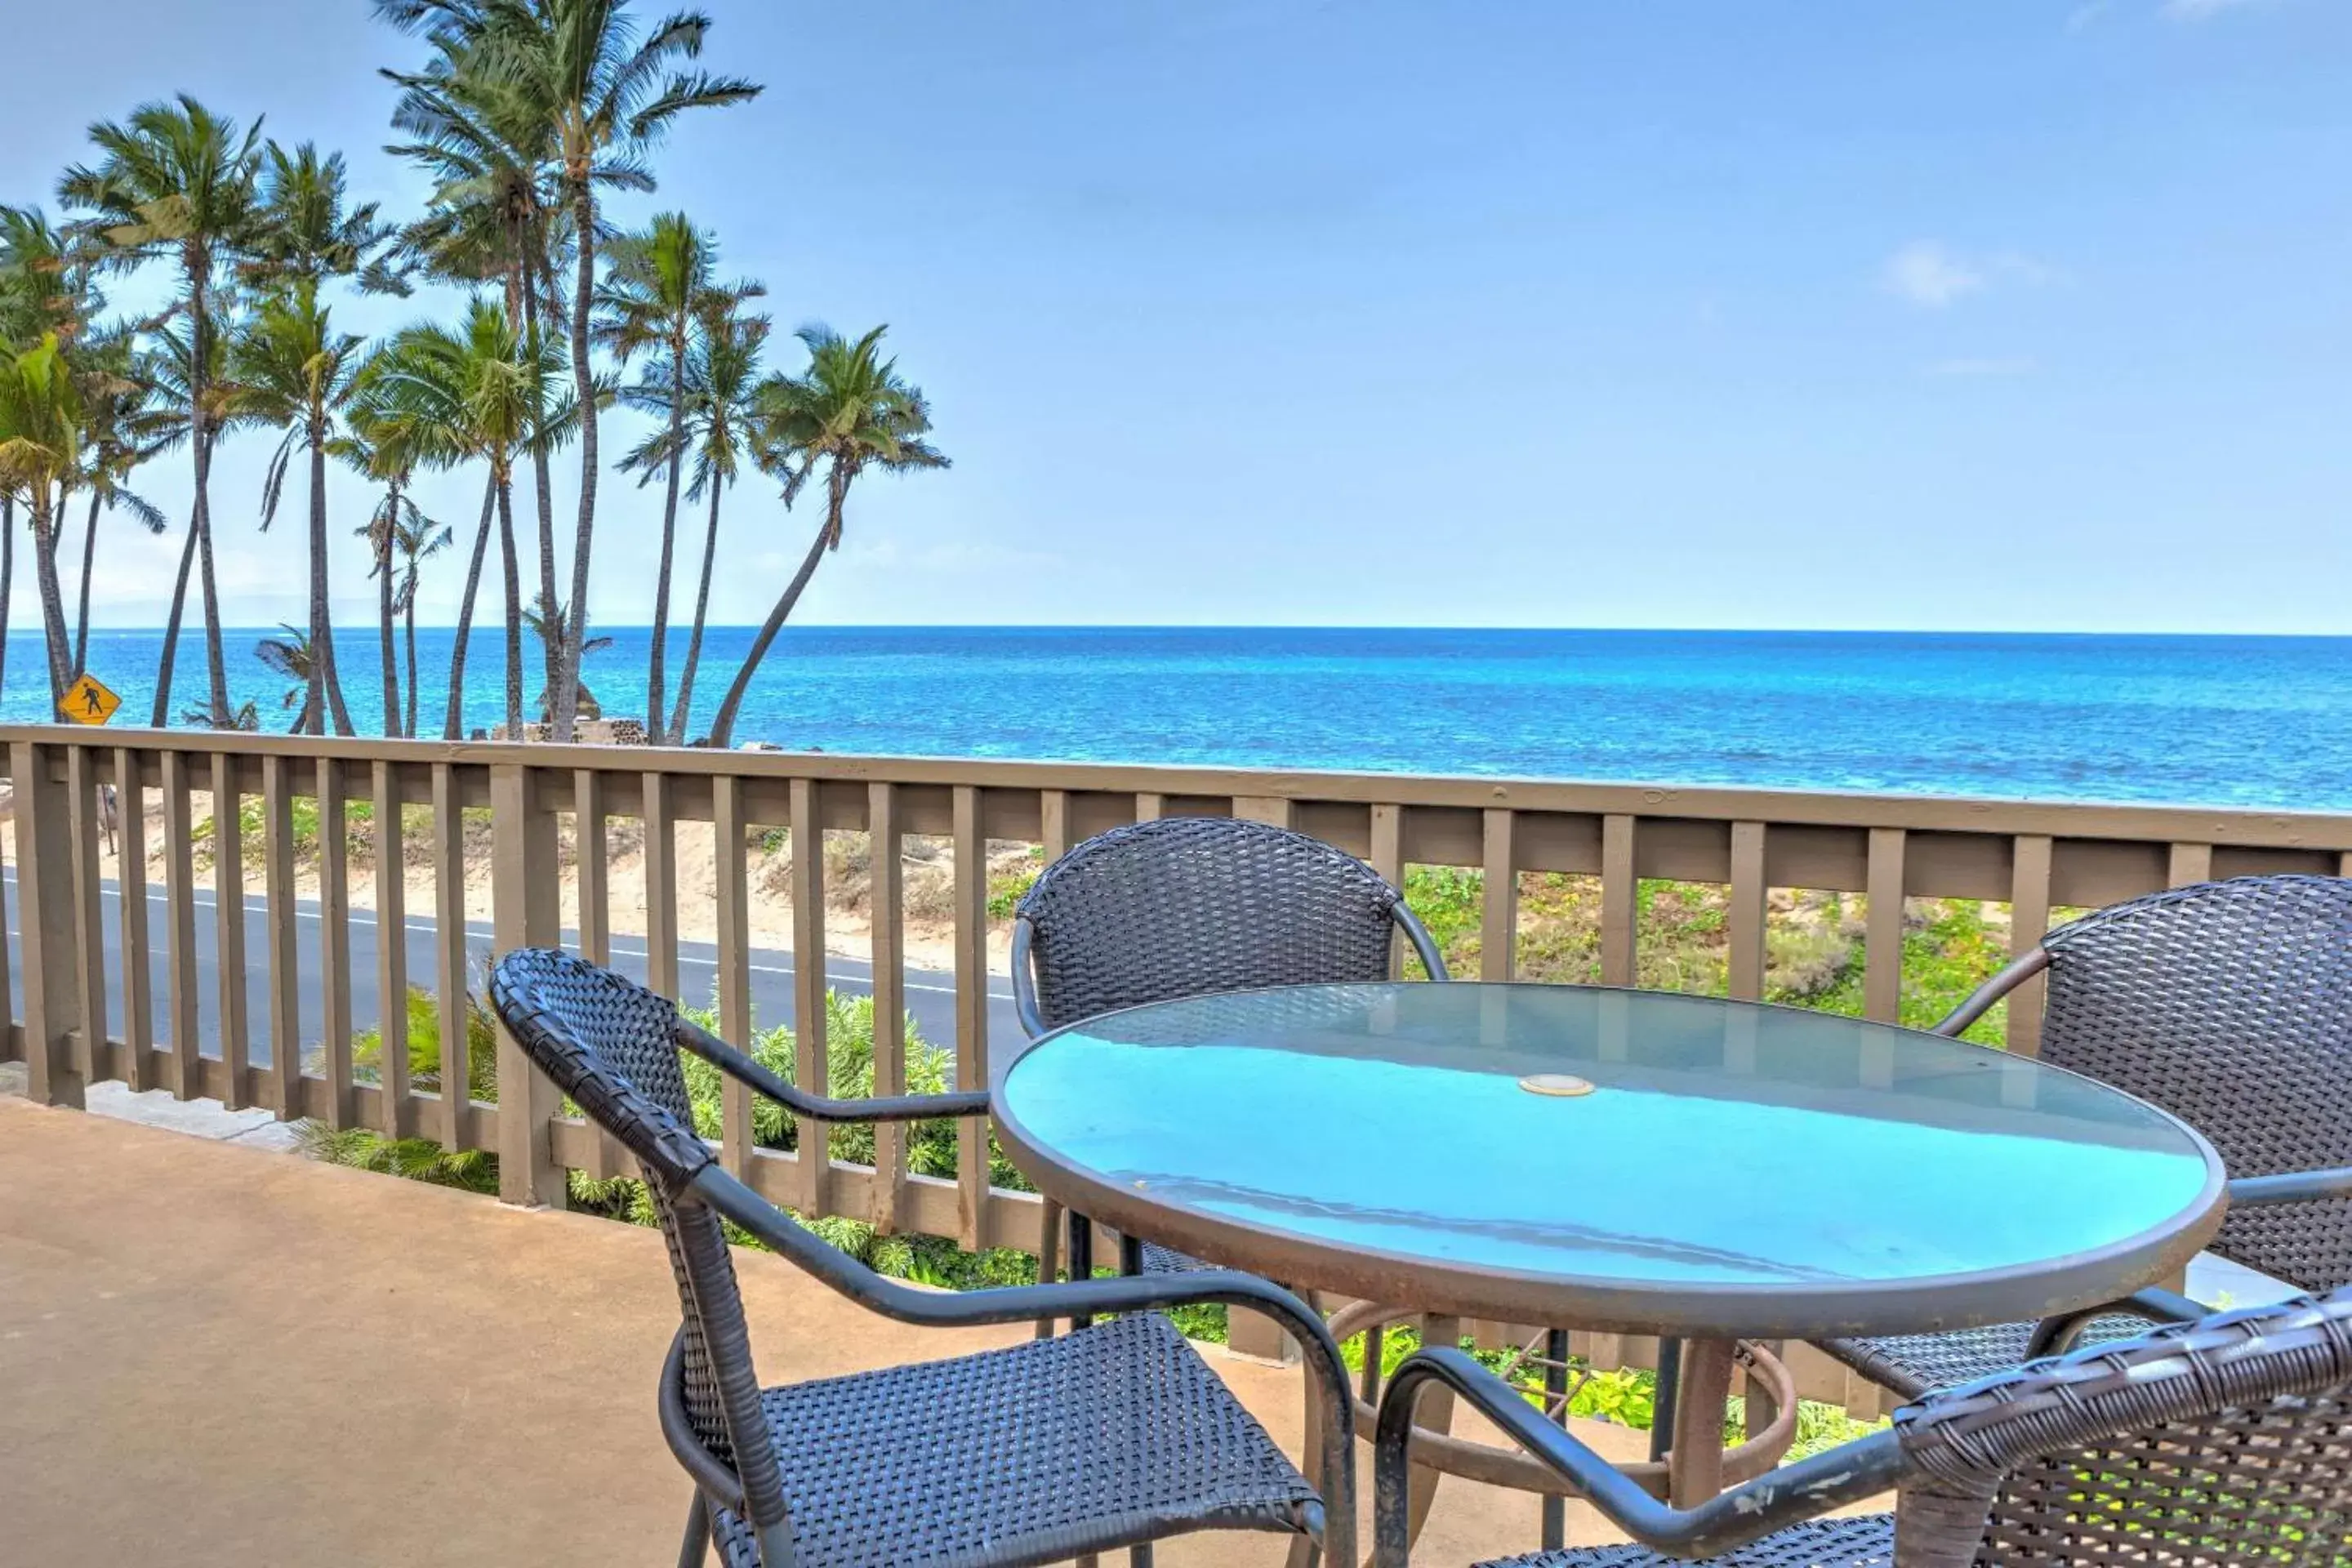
[89,701]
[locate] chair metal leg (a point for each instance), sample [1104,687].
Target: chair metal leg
[1661,1406]
[695,1550]
[1082,1257]
[1555,1510]
[1049,1260]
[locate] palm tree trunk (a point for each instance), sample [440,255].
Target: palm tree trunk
[53,598]
[200,342]
[384,611]
[7,576]
[513,572]
[564,688]
[89,557]
[453,728]
[324,681]
[215,655]
[408,727]
[656,675]
[163,713]
[723,729]
[550,636]
[682,712]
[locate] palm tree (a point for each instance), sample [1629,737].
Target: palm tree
[385,445]
[655,289]
[171,370]
[124,428]
[290,656]
[418,538]
[609,92]
[850,411]
[482,395]
[44,292]
[722,371]
[294,371]
[587,706]
[177,180]
[495,215]
[40,450]
[308,229]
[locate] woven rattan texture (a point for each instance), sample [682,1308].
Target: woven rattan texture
[611,1045]
[1094,1439]
[1186,905]
[2225,1443]
[2230,1005]
[1866,1543]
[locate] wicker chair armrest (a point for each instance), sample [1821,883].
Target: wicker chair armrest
[2056,1336]
[716,1479]
[2291,1187]
[1077,1297]
[737,1065]
[2016,973]
[1847,1474]
[1024,979]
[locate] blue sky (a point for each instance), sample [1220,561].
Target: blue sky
[2003,314]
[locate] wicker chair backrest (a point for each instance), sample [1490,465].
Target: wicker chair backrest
[2230,1005]
[612,1045]
[2221,1443]
[1185,906]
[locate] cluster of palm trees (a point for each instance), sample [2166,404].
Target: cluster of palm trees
[526,114]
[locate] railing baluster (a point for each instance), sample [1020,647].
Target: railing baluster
[277,881]
[889,1000]
[228,933]
[809,1066]
[1148,805]
[46,926]
[660,822]
[1387,860]
[526,910]
[398,1117]
[1746,915]
[606,1156]
[1498,923]
[9,1049]
[92,1056]
[450,956]
[1054,823]
[734,934]
[2029,919]
[180,931]
[970,850]
[130,906]
[1882,941]
[335,940]
[1619,894]
[2189,863]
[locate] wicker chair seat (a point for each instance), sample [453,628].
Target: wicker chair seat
[1097,1440]
[1866,1542]
[1914,1364]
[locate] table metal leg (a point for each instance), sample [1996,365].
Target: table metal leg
[1082,1257]
[1555,1510]
[1694,1467]
[1661,1406]
[1434,1413]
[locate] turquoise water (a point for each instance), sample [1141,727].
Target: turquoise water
[2221,720]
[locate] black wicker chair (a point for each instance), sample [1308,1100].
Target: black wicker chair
[2230,1005]
[1115,1436]
[2221,1443]
[1187,906]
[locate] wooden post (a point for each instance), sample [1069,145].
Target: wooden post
[46,920]
[397,1118]
[335,942]
[525,912]
[278,912]
[1620,900]
[130,910]
[1747,912]
[1499,922]
[734,954]
[1882,941]
[810,1068]
[889,916]
[971,1014]
[2029,921]
[228,924]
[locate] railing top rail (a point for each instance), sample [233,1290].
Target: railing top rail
[1827,808]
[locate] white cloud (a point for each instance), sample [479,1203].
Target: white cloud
[2202,10]
[2014,365]
[1931,275]
[2083,17]
[1926,274]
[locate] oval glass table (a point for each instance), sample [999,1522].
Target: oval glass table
[1621,1160]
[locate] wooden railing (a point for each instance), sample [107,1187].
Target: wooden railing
[78,1019]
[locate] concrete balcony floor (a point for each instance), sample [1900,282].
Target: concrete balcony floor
[218,1356]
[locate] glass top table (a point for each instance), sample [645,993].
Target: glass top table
[1634,1161]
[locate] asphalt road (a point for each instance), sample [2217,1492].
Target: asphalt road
[930,996]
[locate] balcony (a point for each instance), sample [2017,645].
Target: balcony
[220,1355]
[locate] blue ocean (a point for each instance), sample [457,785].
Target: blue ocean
[2258,721]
